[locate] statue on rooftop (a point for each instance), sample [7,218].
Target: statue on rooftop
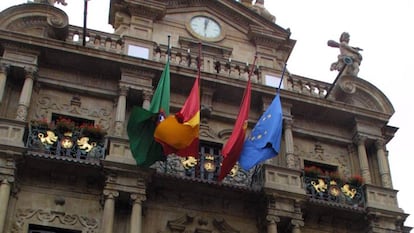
[52,2]
[63,2]
[349,58]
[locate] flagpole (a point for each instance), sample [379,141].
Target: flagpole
[85,10]
[168,49]
[252,68]
[281,79]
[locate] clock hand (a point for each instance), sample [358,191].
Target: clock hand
[206,21]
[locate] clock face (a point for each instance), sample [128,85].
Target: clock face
[205,27]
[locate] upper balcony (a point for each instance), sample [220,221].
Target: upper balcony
[222,66]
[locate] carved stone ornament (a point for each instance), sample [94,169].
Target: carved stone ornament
[47,104]
[24,217]
[198,224]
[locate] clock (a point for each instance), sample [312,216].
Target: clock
[205,28]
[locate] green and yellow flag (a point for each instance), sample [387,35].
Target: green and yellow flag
[142,123]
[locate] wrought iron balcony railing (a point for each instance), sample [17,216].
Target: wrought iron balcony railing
[331,190]
[206,168]
[69,145]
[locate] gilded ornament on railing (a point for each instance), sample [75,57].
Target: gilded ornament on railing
[209,164]
[321,186]
[348,191]
[234,170]
[189,162]
[84,144]
[334,189]
[66,142]
[50,139]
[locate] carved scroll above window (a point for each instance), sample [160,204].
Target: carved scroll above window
[199,224]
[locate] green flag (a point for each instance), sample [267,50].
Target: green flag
[142,123]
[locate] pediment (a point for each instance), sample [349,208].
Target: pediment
[233,14]
[36,19]
[241,28]
[360,93]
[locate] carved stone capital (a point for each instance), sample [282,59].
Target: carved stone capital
[359,139]
[123,90]
[287,123]
[272,219]
[30,71]
[4,68]
[296,223]
[147,95]
[110,194]
[137,197]
[6,180]
[380,144]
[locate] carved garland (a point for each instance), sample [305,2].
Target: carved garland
[26,216]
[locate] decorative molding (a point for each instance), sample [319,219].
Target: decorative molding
[24,217]
[45,105]
[198,224]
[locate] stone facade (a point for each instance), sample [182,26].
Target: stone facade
[58,181]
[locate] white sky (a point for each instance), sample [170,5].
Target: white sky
[383,28]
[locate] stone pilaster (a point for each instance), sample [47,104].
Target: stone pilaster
[363,159]
[26,94]
[3,79]
[5,187]
[383,164]
[147,99]
[290,157]
[109,210]
[296,225]
[120,111]
[136,214]
[272,223]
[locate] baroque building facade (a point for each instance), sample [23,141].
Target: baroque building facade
[60,172]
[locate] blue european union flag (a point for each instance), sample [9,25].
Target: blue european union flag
[264,141]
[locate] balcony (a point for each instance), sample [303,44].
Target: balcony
[205,169]
[70,144]
[335,191]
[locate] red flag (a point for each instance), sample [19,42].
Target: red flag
[231,150]
[179,133]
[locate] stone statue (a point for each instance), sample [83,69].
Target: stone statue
[52,2]
[63,2]
[349,58]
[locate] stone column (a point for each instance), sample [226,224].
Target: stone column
[136,215]
[363,160]
[296,225]
[120,111]
[25,95]
[147,99]
[272,223]
[383,164]
[3,79]
[5,188]
[290,157]
[109,211]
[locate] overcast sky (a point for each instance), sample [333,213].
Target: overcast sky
[384,29]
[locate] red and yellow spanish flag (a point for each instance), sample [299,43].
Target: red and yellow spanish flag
[179,133]
[231,150]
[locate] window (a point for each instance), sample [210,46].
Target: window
[273,81]
[45,229]
[325,169]
[78,121]
[138,51]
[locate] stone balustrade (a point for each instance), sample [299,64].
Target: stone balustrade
[96,39]
[181,57]
[307,86]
